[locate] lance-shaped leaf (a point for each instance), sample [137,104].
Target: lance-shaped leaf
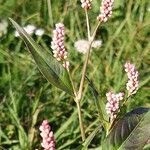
[131,132]
[90,138]
[99,104]
[51,69]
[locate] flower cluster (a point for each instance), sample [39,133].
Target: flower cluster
[39,32]
[3,27]
[82,46]
[105,10]
[132,73]
[96,44]
[48,142]
[30,29]
[86,4]
[112,105]
[57,44]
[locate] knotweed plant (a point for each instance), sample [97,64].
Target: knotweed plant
[120,129]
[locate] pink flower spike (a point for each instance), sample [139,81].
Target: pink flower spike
[112,105]
[105,10]
[57,44]
[86,4]
[48,142]
[133,83]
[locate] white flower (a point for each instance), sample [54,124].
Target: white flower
[39,32]
[97,44]
[16,34]
[29,29]
[82,46]
[3,27]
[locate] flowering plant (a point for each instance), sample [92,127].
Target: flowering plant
[122,131]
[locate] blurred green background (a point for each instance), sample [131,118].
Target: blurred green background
[26,98]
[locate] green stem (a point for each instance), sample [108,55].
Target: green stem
[95,30]
[79,94]
[80,121]
[85,63]
[74,90]
[87,24]
[83,73]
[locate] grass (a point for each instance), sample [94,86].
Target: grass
[26,98]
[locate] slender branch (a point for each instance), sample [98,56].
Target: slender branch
[74,90]
[87,23]
[84,72]
[95,30]
[86,62]
[79,94]
[80,121]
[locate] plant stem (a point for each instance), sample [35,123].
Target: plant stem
[80,121]
[74,90]
[86,62]
[84,72]
[87,24]
[95,30]
[79,94]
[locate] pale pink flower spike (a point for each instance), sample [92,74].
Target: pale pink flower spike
[105,10]
[86,4]
[112,105]
[48,142]
[133,83]
[57,44]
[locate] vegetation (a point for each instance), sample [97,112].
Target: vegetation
[26,98]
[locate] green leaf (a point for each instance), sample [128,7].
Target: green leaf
[51,69]
[99,104]
[64,126]
[90,138]
[131,132]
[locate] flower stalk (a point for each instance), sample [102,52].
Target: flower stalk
[80,120]
[80,92]
[87,23]
[91,39]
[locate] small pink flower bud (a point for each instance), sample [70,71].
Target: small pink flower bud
[57,44]
[112,105]
[86,4]
[48,142]
[133,83]
[105,10]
